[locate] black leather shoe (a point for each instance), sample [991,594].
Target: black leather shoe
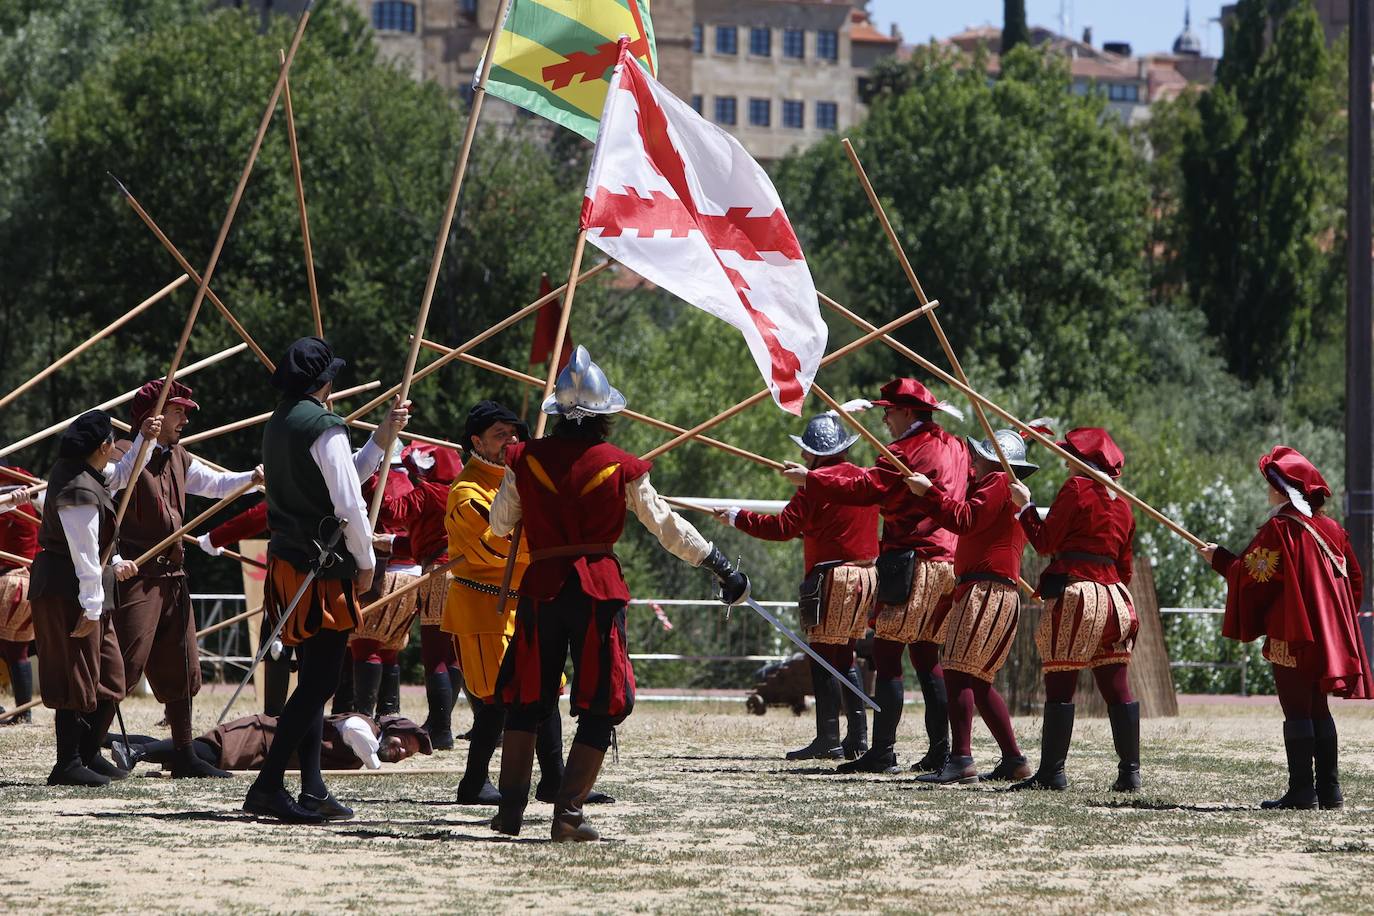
[74,774]
[329,807]
[98,764]
[1008,769]
[125,756]
[279,805]
[957,769]
[875,761]
[485,794]
[186,765]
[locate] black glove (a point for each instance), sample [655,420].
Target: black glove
[734,585]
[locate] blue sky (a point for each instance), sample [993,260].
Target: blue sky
[1151,26]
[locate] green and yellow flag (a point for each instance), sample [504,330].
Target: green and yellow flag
[555,57]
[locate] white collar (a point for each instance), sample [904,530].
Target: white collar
[491,464]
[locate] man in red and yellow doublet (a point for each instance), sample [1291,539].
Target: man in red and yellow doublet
[1089,620]
[18,536]
[839,586]
[915,564]
[982,611]
[571,492]
[1298,584]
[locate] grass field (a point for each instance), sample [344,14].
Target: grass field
[710,818]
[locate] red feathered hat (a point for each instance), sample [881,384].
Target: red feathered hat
[146,400]
[438,463]
[912,395]
[1095,446]
[1295,477]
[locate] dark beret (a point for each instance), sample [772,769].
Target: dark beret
[85,434]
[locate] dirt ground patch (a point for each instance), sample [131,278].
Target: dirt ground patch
[710,818]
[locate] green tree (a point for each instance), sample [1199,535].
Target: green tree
[1261,207]
[1014,29]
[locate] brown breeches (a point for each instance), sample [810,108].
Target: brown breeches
[157,636]
[75,674]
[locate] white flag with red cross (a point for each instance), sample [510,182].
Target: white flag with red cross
[679,201]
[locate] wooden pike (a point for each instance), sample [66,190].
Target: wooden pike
[531,380]
[1082,466]
[191,272]
[513,318]
[300,203]
[15,558]
[441,242]
[263,417]
[921,297]
[759,396]
[95,338]
[115,402]
[209,271]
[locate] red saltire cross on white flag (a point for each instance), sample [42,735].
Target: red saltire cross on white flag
[679,201]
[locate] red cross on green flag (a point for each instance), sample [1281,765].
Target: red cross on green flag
[679,201]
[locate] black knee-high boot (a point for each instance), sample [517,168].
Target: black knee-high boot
[826,745]
[475,787]
[389,694]
[855,742]
[937,722]
[343,694]
[97,725]
[882,756]
[367,683]
[1055,736]
[439,695]
[69,770]
[1125,719]
[1327,772]
[1299,743]
[21,680]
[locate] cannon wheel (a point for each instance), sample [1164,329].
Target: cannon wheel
[754,703]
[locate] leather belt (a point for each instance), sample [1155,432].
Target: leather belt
[986,577]
[571,550]
[484,587]
[1077,557]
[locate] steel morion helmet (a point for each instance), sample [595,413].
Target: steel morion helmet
[825,435]
[1013,446]
[582,390]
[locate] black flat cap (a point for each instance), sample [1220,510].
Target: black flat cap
[85,434]
[306,366]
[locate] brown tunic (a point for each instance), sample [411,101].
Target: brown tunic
[73,674]
[155,625]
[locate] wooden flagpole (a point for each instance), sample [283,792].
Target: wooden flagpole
[543,420]
[115,402]
[209,271]
[490,332]
[15,558]
[440,243]
[921,297]
[300,202]
[95,338]
[191,272]
[759,396]
[1082,466]
[534,382]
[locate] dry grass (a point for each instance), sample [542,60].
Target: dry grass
[710,818]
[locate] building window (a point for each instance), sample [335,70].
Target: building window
[393,16]
[760,112]
[827,114]
[793,43]
[793,113]
[725,109]
[468,9]
[696,103]
[1123,92]
[828,45]
[761,42]
[697,40]
[727,39]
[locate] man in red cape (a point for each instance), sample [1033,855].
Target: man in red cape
[1298,584]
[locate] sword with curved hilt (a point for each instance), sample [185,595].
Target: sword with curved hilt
[326,559]
[801,644]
